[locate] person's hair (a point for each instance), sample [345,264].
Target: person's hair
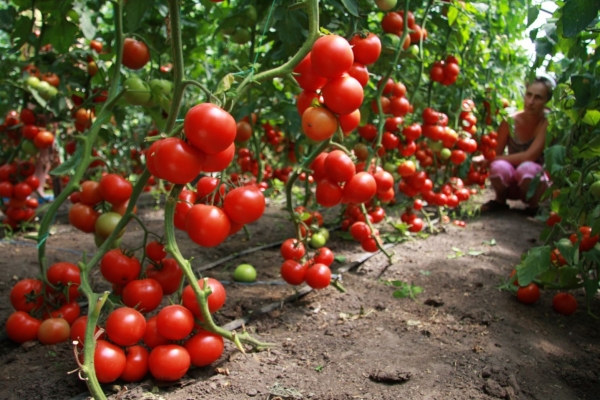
[544,80]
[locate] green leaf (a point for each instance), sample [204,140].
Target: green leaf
[20,32]
[567,276]
[533,186]
[536,262]
[543,47]
[351,6]
[582,86]
[61,35]
[85,21]
[340,259]
[554,157]
[577,15]
[225,84]
[591,117]
[591,288]
[69,164]
[452,15]
[532,14]
[134,13]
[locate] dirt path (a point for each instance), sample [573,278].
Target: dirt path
[461,339]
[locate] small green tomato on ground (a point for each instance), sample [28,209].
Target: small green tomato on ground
[244,273]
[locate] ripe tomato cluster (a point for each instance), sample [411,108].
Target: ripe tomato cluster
[333,75]
[166,345]
[445,72]
[17,183]
[299,268]
[213,212]
[393,24]
[98,206]
[45,311]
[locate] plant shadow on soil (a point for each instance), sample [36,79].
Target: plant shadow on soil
[461,339]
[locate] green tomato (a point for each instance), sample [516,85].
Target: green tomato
[241,35]
[445,154]
[138,92]
[436,145]
[595,189]
[413,50]
[29,148]
[33,82]
[99,241]
[244,273]
[106,223]
[390,167]
[389,43]
[161,86]
[324,232]
[317,240]
[386,5]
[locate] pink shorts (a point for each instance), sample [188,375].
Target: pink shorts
[512,177]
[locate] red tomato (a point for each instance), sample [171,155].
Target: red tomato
[155,251]
[83,217]
[78,330]
[169,362]
[292,249]
[343,95]
[151,336]
[339,166]
[109,361]
[564,303]
[118,268]
[22,327]
[366,48]
[207,226]
[175,322]
[115,189]
[53,331]
[215,300]
[168,273]
[318,276]
[331,56]
[306,77]
[293,272]
[135,54]
[204,348]
[244,205]
[209,128]
[319,123]
[69,311]
[528,294]
[176,161]
[26,295]
[360,73]
[360,189]
[217,162]
[143,294]
[125,326]
[63,275]
[324,256]
[136,364]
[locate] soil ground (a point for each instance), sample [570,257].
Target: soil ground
[461,338]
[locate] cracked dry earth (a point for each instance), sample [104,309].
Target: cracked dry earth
[461,338]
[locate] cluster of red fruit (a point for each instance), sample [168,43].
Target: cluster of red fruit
[17,183]
[393,23]
[212,213]
[85,213]
[297,268]
[445,72]
[333,74]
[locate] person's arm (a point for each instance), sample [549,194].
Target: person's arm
[534,151]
